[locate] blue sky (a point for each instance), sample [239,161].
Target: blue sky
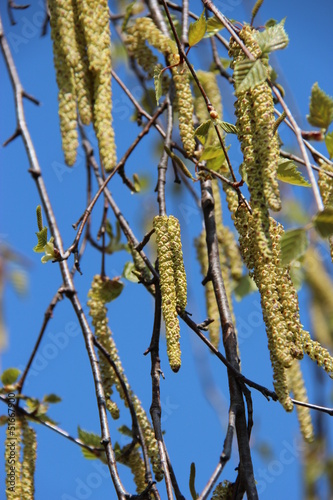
[194,430]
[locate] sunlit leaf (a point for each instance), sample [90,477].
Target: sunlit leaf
[213,26]
[10,376]
[49,250]
[228,128]
[126,431]
[179,163]
[42,240]
[272,38]
[197,30]
[218,164]
[157,83]
[323,222]
[329,143]
[128,272]
[248,74]
[294,243]
[244,287]
[202,131]
[321,108]
[288,172]
[52,398]
[211,152]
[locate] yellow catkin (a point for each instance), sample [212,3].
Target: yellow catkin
[297,387]
[98,297]
[12,451]
[143,30]
[65,82]
[168,291]
[325,183]
[82,74]
[131,457]
[94,18]
[255,122]
[318,353]
[211,305]
[178,263]
[29,461]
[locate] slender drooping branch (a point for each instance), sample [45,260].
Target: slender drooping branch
[36,174]
[163,164]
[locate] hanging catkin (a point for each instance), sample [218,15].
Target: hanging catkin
[99,294]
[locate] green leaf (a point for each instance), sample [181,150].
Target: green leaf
[271,22]
[202,131]
[49,251]
[194,494]
[211,152]
[158,83]
[197,30]
[248,74]
[294,243]
[127,15]
[321,108]
[228,128]
[179,163]
[329,143]
[288,172]
[323,222]
[272,38]
[137,183]
[244,287]
[10,376]
[42,240]
[51,398]
[89,438]
[128,274]
[126,431]
[213,26]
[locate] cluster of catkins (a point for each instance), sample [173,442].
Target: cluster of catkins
[100,294]
[325,183]
[172,282]
[144,30]
[82,57]
[25,469]
[254,109]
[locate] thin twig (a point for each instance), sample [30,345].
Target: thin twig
[163,164]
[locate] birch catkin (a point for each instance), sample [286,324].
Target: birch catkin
[99,295]
[143,30]
[29,461]
[168,291]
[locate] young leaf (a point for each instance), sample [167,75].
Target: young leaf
[272,38]
[321,108]
[323,222]
[197,30]
[213,26]
[51,398]
[248,74]
[244,287]
[42,240]
[89,438]
[128,272]
[157,83]
[179,163]
[194,494]
[10,376]
[126,431]
[50,252]
[202,131]
[329,143]
[294,243]
[287,172]
[228,128]
[211,152]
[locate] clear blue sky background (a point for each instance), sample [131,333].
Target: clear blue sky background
[195,431]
